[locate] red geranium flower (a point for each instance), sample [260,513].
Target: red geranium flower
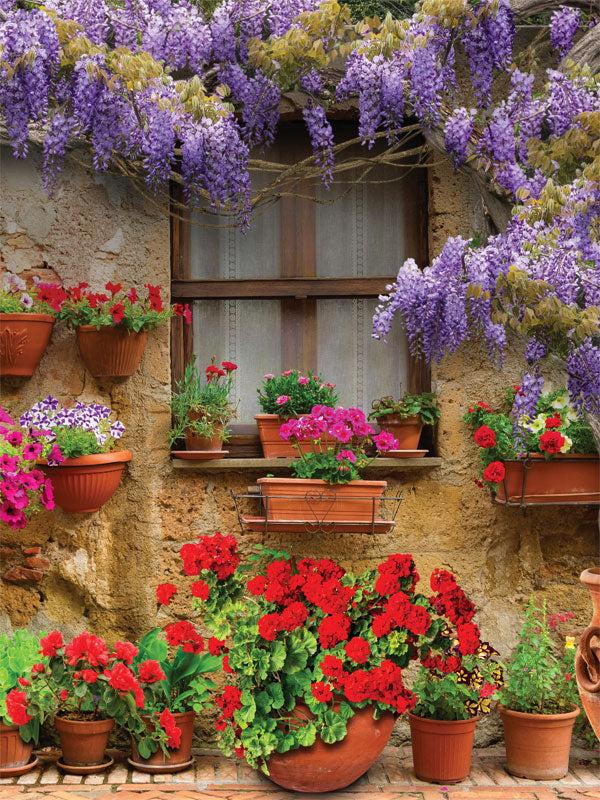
[201,590]
[125,651]
[494,472]
[216,646]
[16,707]
[89,676]
[321,691]
[164,593]
[334,629]
[554,422]
[87,647]
[150,671]
[358,649]
[122,680]
[257,585]
[552,442]
[51,643]
[485,437]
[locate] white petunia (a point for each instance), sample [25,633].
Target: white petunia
[567,445]
[561,401]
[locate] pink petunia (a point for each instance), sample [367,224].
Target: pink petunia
[47,497]
[13,516]
[9,464]
[4,417]
[32,451]
[14,438]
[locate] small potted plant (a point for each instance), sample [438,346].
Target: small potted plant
[24,489]
[548,458]
[326,486]
[174,688]
[453,689]
[288,396]
[112,326]
[84,466]
[539,703]
[314,673]
[27,317]
[405,418]
[202,407]
[19,720]
[83,679]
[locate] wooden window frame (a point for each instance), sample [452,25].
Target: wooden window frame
[303,288]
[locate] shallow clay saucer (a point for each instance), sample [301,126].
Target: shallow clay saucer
[91,770]
[160,768]
[13,772]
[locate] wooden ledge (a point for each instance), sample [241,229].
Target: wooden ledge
[271,464]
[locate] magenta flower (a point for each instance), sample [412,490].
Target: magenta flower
[8,464]
[385,441]
[31,480]
[303,381]
[55,457]
[32,451]
[282,399]
[285,431]
[287,373]
[13,516]
[47,497]
[341,432]
[4,417]
[268,376]
[14,438]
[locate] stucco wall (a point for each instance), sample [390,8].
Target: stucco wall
[104,566]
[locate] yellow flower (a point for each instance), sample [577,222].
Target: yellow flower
[561,401]
[570,643]
[567,445]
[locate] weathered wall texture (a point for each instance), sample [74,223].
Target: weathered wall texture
[104,566]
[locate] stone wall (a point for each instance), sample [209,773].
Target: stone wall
[99,571]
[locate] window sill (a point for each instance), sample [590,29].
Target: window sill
[271,464]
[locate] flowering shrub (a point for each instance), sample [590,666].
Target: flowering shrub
[293,393]
[41,298]
[18,655]
[201,403]
[538,681]
[78,431]
[554,428]
[118,306]
[348,437]
[23,488]
[305,631]
[424,405]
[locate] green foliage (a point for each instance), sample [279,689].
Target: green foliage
[401,9]
[18,654]
[325,466]
[75,442]
[537,680]
[302,396]
[409,405]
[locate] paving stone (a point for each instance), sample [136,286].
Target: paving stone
[227,772]
[50,775]
[29,778]
[95,779]
[67,779]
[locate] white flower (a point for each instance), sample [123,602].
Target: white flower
[538,424]
[19,283]
[26,300]
[571,416]
[567,445]
[561,401]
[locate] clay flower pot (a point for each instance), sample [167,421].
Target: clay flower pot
[327,767]
[537,745]
[194,442]
[111,352]
[567,478]
[83,742]
[406,429]
[442,748]
[587,660]
[178,758]
[23,340]
[14,752]
[273,445]
[84,484]
[311,500]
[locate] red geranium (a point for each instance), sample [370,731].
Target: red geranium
[358,650]
[183,633]
[50,644]
[16,707]
[554,422]
[150,671]
[334,629]
[321,691]
[494,472]
[122,680]
[87,648]
[167,723]
[552,442]
[164,593]
[201,590]
[257,585]
[125,651]
[485,437]
[216,646]
[89,675]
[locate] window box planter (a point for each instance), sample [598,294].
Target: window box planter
[407,430]
[311,500]
[273,445]
[441,748]
[569,478]
[178,759]
[111,352]
[327,767]
[23,341]
[84,484]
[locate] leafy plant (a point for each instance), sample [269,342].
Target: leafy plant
[41,298]
[538,681]
[292,393]
[200,403]
[340,439]
[409,405]
[117,306]
[305,635]
[19,653]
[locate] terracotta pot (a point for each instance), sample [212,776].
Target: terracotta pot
[406,429]
[537,745]
[185,721]
[442,748]
[110,352]
[273,445]
[23,340]
[587,660]
[14,752]
[193,442]
[83,742]
[314,500]
[327,767]
[567,478]
[84,484]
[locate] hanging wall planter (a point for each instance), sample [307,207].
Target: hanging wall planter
[442,748]
[23,341]
[110,352]
[84,484]
[570,478]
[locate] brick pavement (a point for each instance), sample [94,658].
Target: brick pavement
[214,777]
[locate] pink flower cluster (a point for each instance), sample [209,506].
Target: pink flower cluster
[22,487]
[346,426]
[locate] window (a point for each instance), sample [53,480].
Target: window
[300,287]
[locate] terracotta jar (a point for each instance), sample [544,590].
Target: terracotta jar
[567,478]
[23,341]
[407,430]
[327,767]
[441,748]
[83,742]
[587,660]
[84,484]
[111,352]
[312,500]
[273,446]
[14,752]
[194,442]
[537,745]
[178,758]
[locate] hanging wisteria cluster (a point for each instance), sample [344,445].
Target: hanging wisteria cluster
[185,88]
